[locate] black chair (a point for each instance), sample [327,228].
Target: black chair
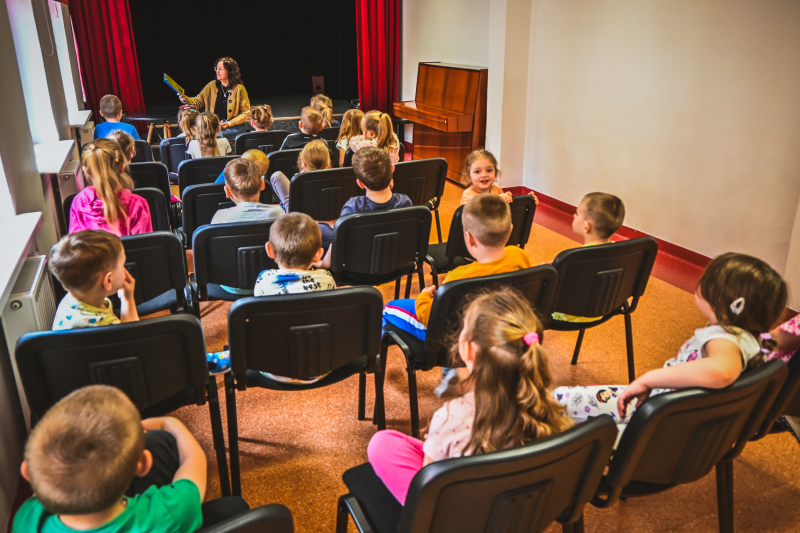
[199,171]
[401,154]
[334,334]
[423,181]
[453,253]
[159,212]
[599,281]
[156,174]
[271,518]
[381,246]
[537,284]
[284,161]
[678,437]
[159,363]
[321,194]
[173,151]
[522,489]
[334,154]
[329,134]
[266,141]
[348,158]
[144,152]
[232,255]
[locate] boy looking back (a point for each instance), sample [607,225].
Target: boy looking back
[111,110]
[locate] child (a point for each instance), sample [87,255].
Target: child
[510,376]
[90,265]
[351,126]
[108,203]
[787,339]
[86,451]
[256,156]
[310,125]
[597,218]
[324,105]
[187,116]
[373,170]
[125,142]
[261,117]
[243,185]
[742,297]
[481,176]
[111,110]
[314,156]
[378,132]
[207,144]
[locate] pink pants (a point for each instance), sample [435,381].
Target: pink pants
[396,459]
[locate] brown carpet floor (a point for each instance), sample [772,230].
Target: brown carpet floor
[295,446]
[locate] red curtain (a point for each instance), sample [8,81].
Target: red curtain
[378,34]
[107,53]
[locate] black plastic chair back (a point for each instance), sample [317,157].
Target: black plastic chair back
[599,280]
[321,194]
[271,518]
[788,400]
[67,207]
[173,151]
[150,361]
[159,212]
[153,174]
[329,134]
[144,152]
[348,158]
[401,153]
[284,161]
[266,141]
[231,254]
[421,180]
[301,335]
[203,170]
[380,242]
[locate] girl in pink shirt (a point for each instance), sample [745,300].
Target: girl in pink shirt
[108,204]
[481,176]
[508,387]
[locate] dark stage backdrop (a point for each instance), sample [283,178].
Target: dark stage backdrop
[279,45]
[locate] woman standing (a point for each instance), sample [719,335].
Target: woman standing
[226,97]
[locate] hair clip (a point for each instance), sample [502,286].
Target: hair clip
[531,338]
[766,336]
[738,306]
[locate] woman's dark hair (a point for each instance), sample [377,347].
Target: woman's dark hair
[234,76]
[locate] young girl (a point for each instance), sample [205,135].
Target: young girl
[207,144]
[377,128]
[506,400]
[314,156]
[125,142]
[351,126]
[742,297]
[261,117]
[324,105]
[108,203]
[187,116]
[481,176]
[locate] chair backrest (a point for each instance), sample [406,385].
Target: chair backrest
[152,174]
[679,436]
[231,254]
[421,180]
[380,242]
[159,212]
[144,152]
[302,335]
[266,141]
[158,264]
[284,161]
[520,489]
[401,153]
[348,158]
[598,280]
[271,518]
[329,134]
[150,360]
[67,207]
[788,400]
[199,171]
[321,193]
[173,151]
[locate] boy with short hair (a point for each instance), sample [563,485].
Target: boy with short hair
[83,455]
[243,185]
[311,123]
[111,110]
[256,156]
[90,264]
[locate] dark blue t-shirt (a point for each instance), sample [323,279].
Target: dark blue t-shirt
[362,204]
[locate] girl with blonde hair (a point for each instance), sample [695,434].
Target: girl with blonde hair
[351,126]
[314,156]
[207,144]
[324,105]
[125,142]
[186,117]
[108,203]
[378,132]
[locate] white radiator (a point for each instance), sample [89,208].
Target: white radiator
[31,306]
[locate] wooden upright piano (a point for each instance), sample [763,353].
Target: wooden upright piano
[448,112]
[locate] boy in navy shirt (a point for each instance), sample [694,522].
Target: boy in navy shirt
[111,110]
[310,126]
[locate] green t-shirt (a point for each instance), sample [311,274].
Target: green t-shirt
[172,508]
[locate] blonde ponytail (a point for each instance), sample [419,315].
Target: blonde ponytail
[186,118]
[206,126]
[324,105]
[351,124]
[102,162]
[380,124]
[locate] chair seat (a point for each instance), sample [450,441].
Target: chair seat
[357,278]
[417,348]
[561,325]
[438,252]
[256,378]
[382,509]
[215,292]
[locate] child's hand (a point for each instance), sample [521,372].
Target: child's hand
[535,199]
[508,196]
[431,289]
[635,390]
[128,284]
[154,424]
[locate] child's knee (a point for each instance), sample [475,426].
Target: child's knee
[381,442]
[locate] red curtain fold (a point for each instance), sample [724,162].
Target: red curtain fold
[378,34]
[107,53]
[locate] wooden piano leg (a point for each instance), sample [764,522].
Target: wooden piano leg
[150,133]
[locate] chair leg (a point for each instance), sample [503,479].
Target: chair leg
[438,225]
[575,527]
[578,347]
[629,346]
[218,436]
[341,516]
[233,433]
[725,495]
[421,276]
[412,400]
[408,285]
[397,290]
[362,394]
[379,412]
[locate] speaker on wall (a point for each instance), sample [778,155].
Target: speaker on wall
[318,83]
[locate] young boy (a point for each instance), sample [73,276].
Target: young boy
[111,110]
[310,125]
[90,264]
[256,156]
[373,169]
[243,185]
[598,217]
[83,455]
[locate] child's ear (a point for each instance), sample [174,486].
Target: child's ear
[263,185]
[145,464]
[361,183]
[392,168]
[470,239]
[300,125]
[588,227]
[391,183]
[228,192]
[270,251]
[106,281]
[318,256]
[23,469]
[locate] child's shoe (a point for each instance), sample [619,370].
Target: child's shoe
[219,362]
[448,386]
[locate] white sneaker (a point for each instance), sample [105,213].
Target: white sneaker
[448,383]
